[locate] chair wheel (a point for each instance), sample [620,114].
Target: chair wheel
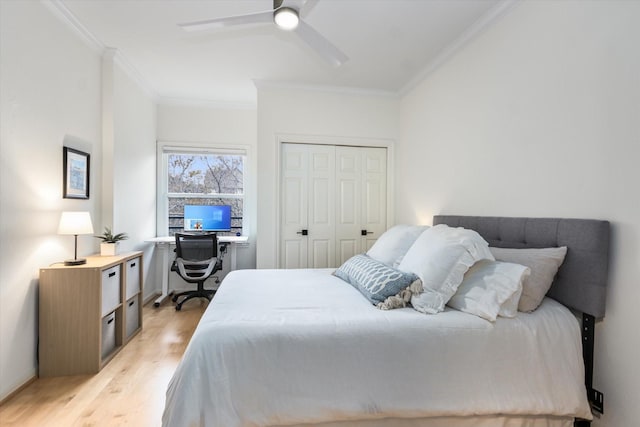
[175,298]
[178,307]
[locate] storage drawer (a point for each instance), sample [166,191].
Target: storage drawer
[133,277]
[132,316]
[108,334]
[110,289]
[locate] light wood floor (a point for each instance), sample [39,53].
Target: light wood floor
[130,390]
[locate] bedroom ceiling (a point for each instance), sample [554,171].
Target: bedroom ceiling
[390,43]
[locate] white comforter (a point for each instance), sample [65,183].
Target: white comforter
[278,347]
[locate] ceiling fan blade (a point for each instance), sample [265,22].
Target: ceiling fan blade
[307,7]
[321,45]
[251,18]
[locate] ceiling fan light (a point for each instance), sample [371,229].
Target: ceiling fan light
[286,18]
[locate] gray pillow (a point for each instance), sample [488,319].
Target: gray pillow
[491,289]
[544,264]
[375,280]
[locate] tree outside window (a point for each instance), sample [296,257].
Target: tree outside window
[205,179]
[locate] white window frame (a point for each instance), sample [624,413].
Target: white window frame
[164,149]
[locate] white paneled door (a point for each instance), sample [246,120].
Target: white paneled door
[361,199]
[333,203]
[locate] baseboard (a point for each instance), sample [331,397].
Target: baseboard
[150,298]
[19,389]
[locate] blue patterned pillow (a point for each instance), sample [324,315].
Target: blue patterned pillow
[375,280]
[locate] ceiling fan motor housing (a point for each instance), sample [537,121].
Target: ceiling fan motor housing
[287,18]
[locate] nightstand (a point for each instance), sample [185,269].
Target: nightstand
[88,312]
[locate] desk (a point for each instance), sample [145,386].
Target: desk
[165,242]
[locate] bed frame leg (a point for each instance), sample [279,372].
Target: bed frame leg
[596,398]
[588,341]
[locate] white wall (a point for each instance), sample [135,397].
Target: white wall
[49,97]
[133,205]
[298,115]
[540,117]
[205,125]
[54,87]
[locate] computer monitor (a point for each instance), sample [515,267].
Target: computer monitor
[207,218]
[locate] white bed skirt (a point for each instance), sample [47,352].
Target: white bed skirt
[478,421]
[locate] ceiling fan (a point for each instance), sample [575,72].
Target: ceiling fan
[286,16]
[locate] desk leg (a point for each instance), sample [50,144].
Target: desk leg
[233,255]
[165,275]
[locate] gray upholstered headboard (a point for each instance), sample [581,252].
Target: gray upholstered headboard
[582,279]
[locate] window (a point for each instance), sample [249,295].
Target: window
[202,178]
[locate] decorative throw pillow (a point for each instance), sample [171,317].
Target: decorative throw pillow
[440,257]
[375,280]
[394,243]
[490,288]
[544,264]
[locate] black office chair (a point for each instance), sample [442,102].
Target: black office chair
[196,260]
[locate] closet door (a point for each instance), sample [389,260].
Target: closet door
[308,206]
[333,203]
[349,202]
[361,192]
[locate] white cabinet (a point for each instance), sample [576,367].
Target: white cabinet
[334,203]
[84,318]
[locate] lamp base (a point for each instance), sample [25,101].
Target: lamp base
[78,261]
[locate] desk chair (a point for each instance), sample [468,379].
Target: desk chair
[196,260]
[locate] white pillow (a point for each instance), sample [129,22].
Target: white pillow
[490,288]
[439,257]
[394,243]
[544,264]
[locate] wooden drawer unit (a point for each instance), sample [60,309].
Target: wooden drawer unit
[88,312]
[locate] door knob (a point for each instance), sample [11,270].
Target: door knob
[303,232]
[365,232]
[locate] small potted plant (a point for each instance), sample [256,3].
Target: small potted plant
[109,244]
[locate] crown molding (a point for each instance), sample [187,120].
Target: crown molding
[270,84]
[135,75]
[470,34]
[58,9]
[206,103]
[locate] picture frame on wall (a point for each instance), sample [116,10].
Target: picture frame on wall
[76,173]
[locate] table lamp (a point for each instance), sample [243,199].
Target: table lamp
[75,223]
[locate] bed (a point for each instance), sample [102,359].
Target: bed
[302,347]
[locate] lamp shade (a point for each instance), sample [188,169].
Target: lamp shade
[75,223]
